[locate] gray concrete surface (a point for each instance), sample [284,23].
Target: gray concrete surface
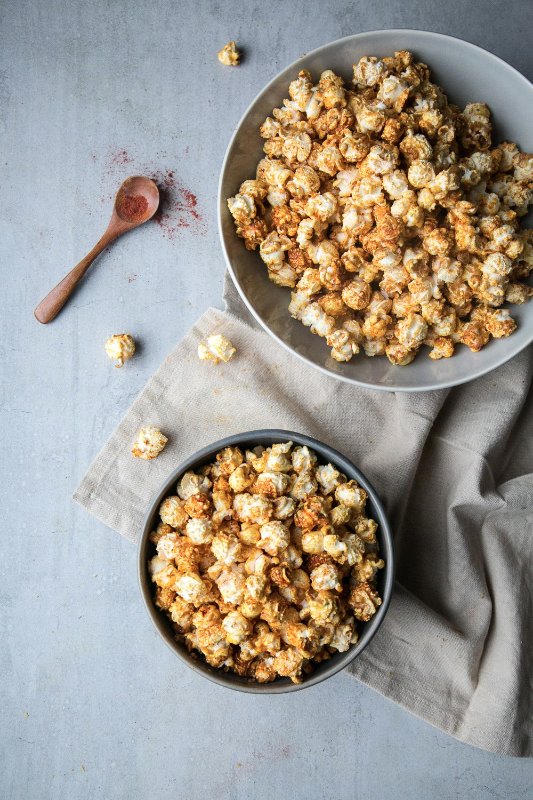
[92,704]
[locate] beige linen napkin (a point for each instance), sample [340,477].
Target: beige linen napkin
[455,471]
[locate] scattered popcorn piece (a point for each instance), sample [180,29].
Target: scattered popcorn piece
[229,55]
[264,561]
[120,348]
[216,348]
[148,443]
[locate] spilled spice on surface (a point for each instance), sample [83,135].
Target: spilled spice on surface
[178,211]
[120,157]
[178,207]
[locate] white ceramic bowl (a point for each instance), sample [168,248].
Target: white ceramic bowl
[467,74]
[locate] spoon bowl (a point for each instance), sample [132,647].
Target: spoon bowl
[136,202]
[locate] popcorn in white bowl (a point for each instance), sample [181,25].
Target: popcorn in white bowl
[396,207]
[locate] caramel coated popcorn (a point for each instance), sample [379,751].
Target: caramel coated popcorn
[389,213]
[266,561]
[216,348]
[148,443]
[229,55]
[120,348]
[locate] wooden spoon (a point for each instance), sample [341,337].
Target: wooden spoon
[136,202]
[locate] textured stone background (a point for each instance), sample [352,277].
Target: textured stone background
[92,703]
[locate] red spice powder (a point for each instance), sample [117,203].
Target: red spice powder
[177,208]
[132,207]
[120,157]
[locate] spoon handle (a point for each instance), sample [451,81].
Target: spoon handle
[54,301]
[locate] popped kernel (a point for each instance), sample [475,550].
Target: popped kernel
[266,560]
[386,188]
[173,513]
[148,443]
[120,348]
[229,55]
[216,348]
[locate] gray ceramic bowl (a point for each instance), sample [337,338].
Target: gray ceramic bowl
[385,579]
[467,73]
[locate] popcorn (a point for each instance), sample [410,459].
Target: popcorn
[364,601]
[420,173]
[328,477]
[191,483]
[284,507]
[356,294]
[335,548]
[289,663]
[352,495]
[344,636]
[317,320]
[198,506]
[216,348]
[340,514]
[241,478]
[226,548]
[300,90]
[354,146]
[256,586]
[296,148]
[249,534]
[163,573]
[199,531]
[275,536]
[172,512]
[164,598]
[326,577]
[324,608]
[148,443]
[313,542]
[242,208]
[398,354]
[120,348]
[229,55]
[191,588]
[304,485]
[252,508]
[411,331]
[271,484]
[230,583]
[229,459]
[303,459]
[277,458]
[181,613]
[237,627]
[305,181]
[265,559]
[385,186]
[321,207]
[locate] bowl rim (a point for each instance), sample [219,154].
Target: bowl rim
[386,549]
[511,352]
